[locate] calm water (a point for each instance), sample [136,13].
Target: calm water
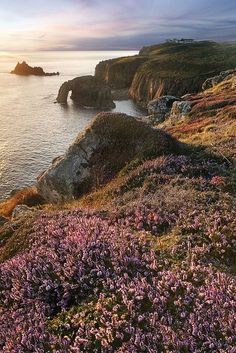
[34,130]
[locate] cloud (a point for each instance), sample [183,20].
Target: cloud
[103,24]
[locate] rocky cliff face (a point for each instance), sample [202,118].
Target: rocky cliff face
[99,153]
[146,87]
[87,91]
[119,73]
[167,69]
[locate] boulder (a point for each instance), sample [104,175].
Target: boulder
[103,149]
[215,80]
[3,220]
[180,109]
[20,210]
[160,108]
[87,91]
[24,69]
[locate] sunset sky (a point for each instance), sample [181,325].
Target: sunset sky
[111,24]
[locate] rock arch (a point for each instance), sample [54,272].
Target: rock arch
[87,91]
[64,90]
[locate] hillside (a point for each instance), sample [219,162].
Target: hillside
[168,68]
[144,263]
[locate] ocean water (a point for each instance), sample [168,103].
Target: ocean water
[33,129]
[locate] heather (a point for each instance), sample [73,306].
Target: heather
[91,283]
[147,273]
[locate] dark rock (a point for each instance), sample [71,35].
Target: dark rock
[103,149]
[160,108]
[180,109]
[87,91]
[25,70]
[120,94]
[3,220]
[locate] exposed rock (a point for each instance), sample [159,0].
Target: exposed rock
[180,109]
[147,86]
[111,141]
[186,96]
[223,76]
[87,91]
[160,108]
[119,73]
[24,69]
[120,94]
[149,119]
[3,220]
[21,209]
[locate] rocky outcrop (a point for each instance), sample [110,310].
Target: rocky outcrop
[20,210]
[24,69]
[160,108]
[87,91]
[104,148]
[223,76]
[119,73]
[3,220]
[180,109]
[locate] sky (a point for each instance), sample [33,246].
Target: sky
[33,25]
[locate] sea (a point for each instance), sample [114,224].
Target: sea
[33,128]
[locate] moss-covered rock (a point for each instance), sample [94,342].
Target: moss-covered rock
[111,141]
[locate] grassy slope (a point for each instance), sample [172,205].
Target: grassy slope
[189,60]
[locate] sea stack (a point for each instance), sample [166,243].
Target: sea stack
[24,69]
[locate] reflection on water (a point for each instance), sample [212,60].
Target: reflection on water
[34,130]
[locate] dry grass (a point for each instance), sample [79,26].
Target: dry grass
[28,196]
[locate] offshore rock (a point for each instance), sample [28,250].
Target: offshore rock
[87,91]
[24,69]
[103,149]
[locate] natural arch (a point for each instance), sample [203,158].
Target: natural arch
[87,91]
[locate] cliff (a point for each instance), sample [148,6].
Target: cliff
[173,69]
[177,69]
[24,69]
[119,73]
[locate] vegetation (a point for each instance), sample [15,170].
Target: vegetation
[27,196]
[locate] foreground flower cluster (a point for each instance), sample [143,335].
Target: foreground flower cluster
[89,283]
